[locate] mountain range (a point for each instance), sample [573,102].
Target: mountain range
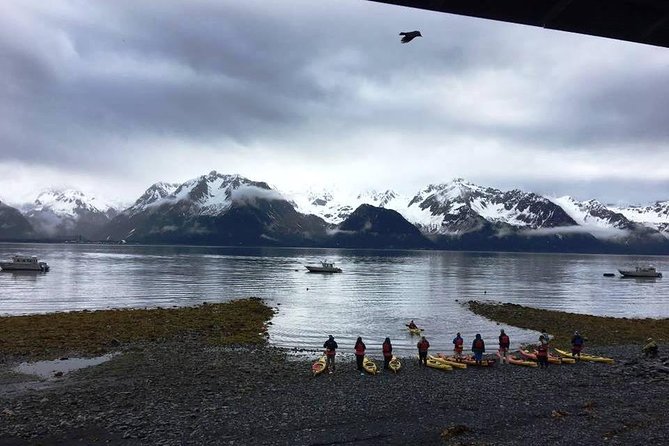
[220,209]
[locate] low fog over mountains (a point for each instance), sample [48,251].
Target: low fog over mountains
[220,209]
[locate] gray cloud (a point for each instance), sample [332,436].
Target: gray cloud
[149,90]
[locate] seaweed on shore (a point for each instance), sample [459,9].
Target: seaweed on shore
[598,330]
[95,332]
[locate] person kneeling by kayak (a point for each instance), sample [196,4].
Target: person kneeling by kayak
[360,353]
[650,349]
[422,345]
[576,345]
[330,347]
[478,348]
[387,353]
[457,349]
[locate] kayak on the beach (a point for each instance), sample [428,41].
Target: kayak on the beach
[435,364]
[516,361]
[585,357]
[369,366]
[319,366]
[469,360]
[553,359]
[443,358]
[395,365]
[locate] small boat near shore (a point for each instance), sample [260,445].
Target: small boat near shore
[640,271]
[325,267]
[24,263]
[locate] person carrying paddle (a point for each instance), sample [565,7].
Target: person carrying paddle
[458,343]
[387,353]
[576,345]
[330,347]
[478,348]
[422,345]
[504,343]
[360,348]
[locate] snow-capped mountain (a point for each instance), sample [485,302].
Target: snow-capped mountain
[655,216]
[335,207]
[68,213]
[214,208]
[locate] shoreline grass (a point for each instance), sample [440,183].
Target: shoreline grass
[47,336]
[598,330]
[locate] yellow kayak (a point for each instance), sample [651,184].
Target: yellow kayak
[369,366]
[438,364]
[415,331]
[319,366]
[395,364]
[585,357]
[443,358]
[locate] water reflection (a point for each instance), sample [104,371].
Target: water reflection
[374,296]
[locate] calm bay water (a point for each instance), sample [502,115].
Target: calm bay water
[378,292]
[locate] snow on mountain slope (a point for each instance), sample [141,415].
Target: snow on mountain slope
[655,216]
[335,206]
[208,195]
[68,203]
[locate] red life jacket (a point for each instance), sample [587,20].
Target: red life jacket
[458,344]
[542,351]
[387,350]
[478,344]
[423,346]
[360,349]
[504,341]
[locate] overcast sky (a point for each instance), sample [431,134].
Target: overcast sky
[112,96]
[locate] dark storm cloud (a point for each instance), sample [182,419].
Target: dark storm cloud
[96,85]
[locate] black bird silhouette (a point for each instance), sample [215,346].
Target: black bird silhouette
[409,36]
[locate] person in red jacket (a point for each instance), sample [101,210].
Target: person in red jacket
[458,343]
[387,353]
[478,347]
[422,345]
[359,353]
[504,343]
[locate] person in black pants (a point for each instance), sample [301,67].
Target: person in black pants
[387,353]
[330,347]
[422,345]
[359,353]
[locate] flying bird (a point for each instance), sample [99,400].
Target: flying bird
[409,36]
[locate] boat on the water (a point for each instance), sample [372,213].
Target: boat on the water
[24,263]
[325,267]
[640,271]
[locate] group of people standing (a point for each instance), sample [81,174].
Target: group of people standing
[478,349]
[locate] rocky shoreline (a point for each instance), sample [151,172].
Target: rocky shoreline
[183,391]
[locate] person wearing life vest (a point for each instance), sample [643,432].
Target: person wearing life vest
[387,353]
[412,325]
[422,345]
[478,348]
[458,342]
[330,347]
[359,353]
[504,343]
[577,342]
[542,355]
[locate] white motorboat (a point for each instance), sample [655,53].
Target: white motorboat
[325,267]
[24,263]
[641,271]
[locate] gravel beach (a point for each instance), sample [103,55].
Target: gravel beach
[182,391]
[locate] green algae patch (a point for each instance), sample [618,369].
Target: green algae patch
[598,330]
[95,332]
